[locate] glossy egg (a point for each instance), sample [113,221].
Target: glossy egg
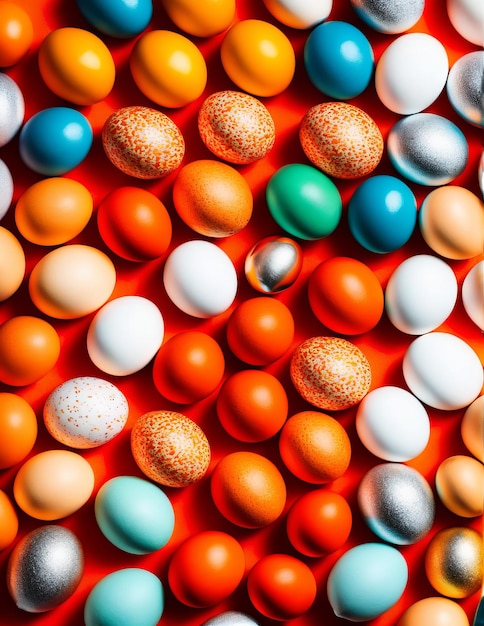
[117,18]
[473,294]
[390,18]
[341,139]
[9,523]
[463,87]
[465,16]
[12,264]
[170,448]
[168,68]
[6,188]
[207,20]
[18,429]
[16,33]
[300,14]
[459,482]
[330,373]
[273,264]
[436,610]
[13,109]
[212,198]
[85,412]
[45,568]
[143,142]
[236,127]
[472,428]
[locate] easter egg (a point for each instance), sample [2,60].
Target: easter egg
[434,610]
[231,618]
[6,188]
[170,448]
[300,14]
[12,264]
[117,18]
[473,294]
[143,142]
[8,521]
[472,428]
[341,139]
[201,20]
[273,264]
[18,429]
[16,33]
[463,87]
[236,127]
[13,109]
[465,17]
[459,482]
[330,373]
[397,17]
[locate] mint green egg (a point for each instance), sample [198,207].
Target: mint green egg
[303,201]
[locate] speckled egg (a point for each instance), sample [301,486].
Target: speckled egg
[143,142]
[170,448]
[330,373]
[85,412]
[236,127]
[341,139]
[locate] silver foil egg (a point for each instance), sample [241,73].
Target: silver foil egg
[231,618]
[397,503]
[427,149]
[6,188]
[12,109]
[273,264]
[389,16]
[45,568]
[464,87]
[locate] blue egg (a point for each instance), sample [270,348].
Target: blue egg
[125,597]
[134,514]
[339,60]
[117,18]
[366,581]
[55,140]
[382,214]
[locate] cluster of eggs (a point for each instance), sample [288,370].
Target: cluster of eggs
[330,372]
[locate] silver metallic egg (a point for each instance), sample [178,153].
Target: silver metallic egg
[12,109]
[273,264]
[231,618]
[6,188]
[45,568]
[397,503]
[389,16]
[427,149]
[464,87]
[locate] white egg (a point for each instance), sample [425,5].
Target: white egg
[480,174]
[200,279]
[420,294]
[473,294]
[301,14]
[12,109]
[392,424]
[467,17]
[411,73]
[85,412]
[443,371]
[6,188]
[125,334]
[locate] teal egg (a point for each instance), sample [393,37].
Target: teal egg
[126,597]
[134,514]
[303,201]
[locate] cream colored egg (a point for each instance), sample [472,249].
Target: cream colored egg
[12,264]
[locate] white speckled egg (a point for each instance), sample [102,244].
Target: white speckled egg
[85,412]
[12,109]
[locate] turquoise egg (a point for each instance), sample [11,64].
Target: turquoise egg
[126,597]
[134,514]
[117,18]
[366,581]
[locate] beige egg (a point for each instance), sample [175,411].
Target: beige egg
[435,611]
[472,428]
[12,264]
[459,482]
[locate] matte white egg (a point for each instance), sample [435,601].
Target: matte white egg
[6,188]
[12,109]
[467,19]
[473,294]
[301,14]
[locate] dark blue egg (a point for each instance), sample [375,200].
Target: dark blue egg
[117,18]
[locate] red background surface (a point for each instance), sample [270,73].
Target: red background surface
[384,346]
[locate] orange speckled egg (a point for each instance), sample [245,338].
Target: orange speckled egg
[142,142]
[18,429]
[201,19]
[437,611]
[330,373]
[212,198]
[315,447]
[248,489]
[8,520]
[459,482]
[170,448]
[472,428]
[341,139]
[236,127]
[12,264]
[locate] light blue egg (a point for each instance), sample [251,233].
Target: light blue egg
[55,140]
[117,18]
[134,514]
[126,597]
[382,213]
[366,581]
[339,60]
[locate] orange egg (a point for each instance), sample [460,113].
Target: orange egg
[29,349]
[8,518]
[200,19]
[437,611]
[12,264]
[459,482]
[258,57]
[16,33]
[472,428]
[315,447]
[53,210]
[76,65]
[212,198]
[18,429]
[248,489]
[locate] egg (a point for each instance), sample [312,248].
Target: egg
[459,482]
[341,139]
[330,373]
[124,335]
[200,278]
[18,429]
[463,87]
[212,198]
[236,127]
[85,412]
[17,33]
[12,264]
[427,149]
[480,174]
[45,568]
[13,109]
[143,142]
[72,281]
[411,73]
[170,448]
[131,595]
[472,428]
[6,188]
[273,264]
[9,523]
[53,210]
[53,484]
[451,220]
[207,20]
[436,610]
[443,371]
[420,294]
[390,18]
[231,618]
[248,489]
[466,17]
[299,14]
[473,294]
[117,18]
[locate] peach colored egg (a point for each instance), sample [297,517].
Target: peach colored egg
[236,127]
[437,611]
[459,482]
[143,142]
[341,139]
[170,448]
[472,428]
[330,373]
[12,264]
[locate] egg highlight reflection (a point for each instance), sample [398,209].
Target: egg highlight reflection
[273,264]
